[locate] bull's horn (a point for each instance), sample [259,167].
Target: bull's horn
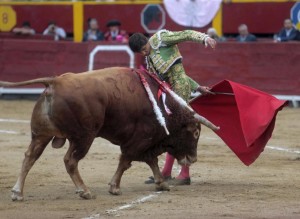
[206,122]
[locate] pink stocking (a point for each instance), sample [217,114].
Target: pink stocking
[184,173]
[168,165]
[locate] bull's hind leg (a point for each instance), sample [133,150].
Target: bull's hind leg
[77,150]
[124,164]
[34,151]
[160,184]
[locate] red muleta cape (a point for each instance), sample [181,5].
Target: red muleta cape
[246,118]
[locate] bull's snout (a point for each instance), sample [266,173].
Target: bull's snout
[187,161]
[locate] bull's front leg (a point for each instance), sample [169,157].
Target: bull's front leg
[123,165]
[34,151]
[160,183]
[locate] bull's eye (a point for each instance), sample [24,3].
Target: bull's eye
[196,133]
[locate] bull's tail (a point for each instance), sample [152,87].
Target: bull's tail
[44,81]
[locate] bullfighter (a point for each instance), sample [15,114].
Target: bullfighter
[164,59]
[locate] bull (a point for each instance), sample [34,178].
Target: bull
[110,103]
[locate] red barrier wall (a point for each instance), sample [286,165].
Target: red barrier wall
[129,15]
[23,60]
[268,66]
[262,17]
[40,15]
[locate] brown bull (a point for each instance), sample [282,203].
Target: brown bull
[112,104]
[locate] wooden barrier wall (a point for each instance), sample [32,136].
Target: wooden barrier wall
[268,66]
[260,17]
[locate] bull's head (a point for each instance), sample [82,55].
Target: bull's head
[184,143]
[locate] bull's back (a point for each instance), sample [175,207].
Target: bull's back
[117,88]
[98,103]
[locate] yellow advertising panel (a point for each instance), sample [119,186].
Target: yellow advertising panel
[8,18]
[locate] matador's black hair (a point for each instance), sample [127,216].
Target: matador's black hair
[137,41]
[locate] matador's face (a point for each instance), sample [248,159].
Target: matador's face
[145,51]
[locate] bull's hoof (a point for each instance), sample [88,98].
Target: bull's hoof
[114,190]
[164,186]
[86,195]
[16,195]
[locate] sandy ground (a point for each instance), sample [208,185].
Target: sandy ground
[222,187]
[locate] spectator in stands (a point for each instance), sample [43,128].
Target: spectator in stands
[93,33]
[115,33]
[287,33]
[298,35]
[244,35]
[54,30]
[25,29]
[212,33]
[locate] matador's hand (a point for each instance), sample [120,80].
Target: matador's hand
[211,42]
[204,90]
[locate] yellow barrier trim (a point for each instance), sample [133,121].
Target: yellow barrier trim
[78,18]
[217,22]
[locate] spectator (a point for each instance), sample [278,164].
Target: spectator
[287,33]
[298,35]
[114,33]
[54,30]
[93,33]
[212,33]
[244,35]
[25,29]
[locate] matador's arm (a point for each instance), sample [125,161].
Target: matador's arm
[170,38]
[194,84]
